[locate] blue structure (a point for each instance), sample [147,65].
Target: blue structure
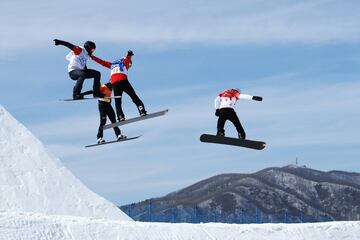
[153,213]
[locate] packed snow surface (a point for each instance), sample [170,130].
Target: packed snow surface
[32,180]
[35,226]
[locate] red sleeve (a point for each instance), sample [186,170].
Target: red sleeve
[77,50]
[233,93]
[101,62]
[127,62]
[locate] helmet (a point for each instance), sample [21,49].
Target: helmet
[88,45]
[236,89]
[109,85]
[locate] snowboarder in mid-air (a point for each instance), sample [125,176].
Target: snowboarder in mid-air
[225,110]
[225,104]
[120,82]
[106,110]
[77,67]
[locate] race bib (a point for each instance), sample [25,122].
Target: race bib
[115,70]
[118,67]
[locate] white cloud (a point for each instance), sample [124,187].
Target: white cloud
[28,25]
[67,126]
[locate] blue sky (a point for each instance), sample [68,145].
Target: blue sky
[303,58]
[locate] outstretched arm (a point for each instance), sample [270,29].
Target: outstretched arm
[76,49]
[249,97]
[64,43]
[101,62]
[128,62]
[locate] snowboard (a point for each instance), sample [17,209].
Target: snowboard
[135,119]
[259,145]
[115,141]
[87,98]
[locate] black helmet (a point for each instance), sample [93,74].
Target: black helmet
[109,85]
[88,45]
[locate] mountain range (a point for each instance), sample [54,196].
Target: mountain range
[293,190]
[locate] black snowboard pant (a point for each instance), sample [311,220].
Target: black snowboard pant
[106,110]
[229,114]
[80,75]
[125,86]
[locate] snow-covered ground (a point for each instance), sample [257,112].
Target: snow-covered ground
[35,226]
[32,180]
[40,199]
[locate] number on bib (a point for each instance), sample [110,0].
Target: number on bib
[115,70]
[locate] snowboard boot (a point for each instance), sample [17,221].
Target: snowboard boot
[220,133]
[142,111]
[241,136]
[100,140]
[120,137]
[77,96]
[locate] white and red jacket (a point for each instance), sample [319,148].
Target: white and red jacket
[77,58]
[119,68]
[228,99]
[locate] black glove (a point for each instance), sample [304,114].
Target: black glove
[217,112]
[64,43]
[257,98]
[130,53]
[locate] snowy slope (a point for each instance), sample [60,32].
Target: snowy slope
[31,180]
[31,226]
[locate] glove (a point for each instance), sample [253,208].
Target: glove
[56,42]
[130,53]
[217,112]
[257,98]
